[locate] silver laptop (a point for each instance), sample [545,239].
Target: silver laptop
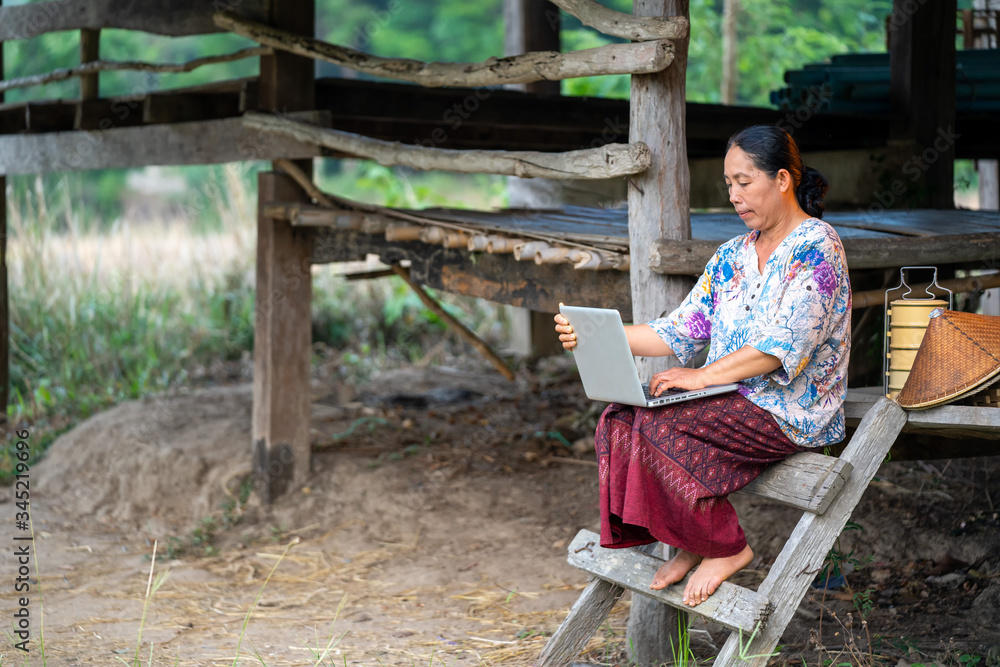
[607,367]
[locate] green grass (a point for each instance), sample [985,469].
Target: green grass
[102,313]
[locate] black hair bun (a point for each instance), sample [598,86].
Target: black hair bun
[811,191]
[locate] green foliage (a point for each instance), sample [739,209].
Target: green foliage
[743,652]
[772,36]
[833,566]
[682,653]
[778,35]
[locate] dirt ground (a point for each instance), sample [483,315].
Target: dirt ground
[433,527]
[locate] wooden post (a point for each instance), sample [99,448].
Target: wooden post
[989,170]
[922,90]
[4,304]
[531,25]
[659,198]
[90,50]
[730,55]
[283,321]
[658,207]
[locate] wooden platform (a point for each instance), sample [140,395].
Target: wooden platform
[968,430]
[890,239]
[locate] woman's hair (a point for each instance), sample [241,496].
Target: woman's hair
[770,149]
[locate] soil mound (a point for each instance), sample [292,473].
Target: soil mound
[158,464]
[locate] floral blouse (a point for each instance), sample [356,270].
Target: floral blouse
[798,310]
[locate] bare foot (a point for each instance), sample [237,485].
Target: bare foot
[674,569]
[711,573]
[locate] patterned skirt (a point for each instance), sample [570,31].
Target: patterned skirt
[665,472]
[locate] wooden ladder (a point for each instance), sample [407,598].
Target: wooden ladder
[826,488]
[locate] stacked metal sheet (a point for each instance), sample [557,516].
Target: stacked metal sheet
[859,83]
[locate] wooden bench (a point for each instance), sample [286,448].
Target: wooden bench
[826,488]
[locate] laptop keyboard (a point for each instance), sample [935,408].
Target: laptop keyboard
[666,392]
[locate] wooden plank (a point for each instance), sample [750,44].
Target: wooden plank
[814,535]
[689,257]
[50,116]
[807,481]
[731,606]
[164,17]
[585,617]
[203,142]
[105,114]
[128,111]
[13,118]
[921,441]
[962,420]
[187,107]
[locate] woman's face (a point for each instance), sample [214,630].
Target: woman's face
[759,200]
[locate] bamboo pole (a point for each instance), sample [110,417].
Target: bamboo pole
[608,161]
[306,183]
[462,330]
[627,26]
[92,68]
[876,297]
[636,58]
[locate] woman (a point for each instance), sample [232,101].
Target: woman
[774,307]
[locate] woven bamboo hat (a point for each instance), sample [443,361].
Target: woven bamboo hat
[959,355]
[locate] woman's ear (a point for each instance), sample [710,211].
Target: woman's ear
[784,180]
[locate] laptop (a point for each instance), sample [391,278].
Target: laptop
[607,366]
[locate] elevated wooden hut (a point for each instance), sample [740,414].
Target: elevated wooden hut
[665,152]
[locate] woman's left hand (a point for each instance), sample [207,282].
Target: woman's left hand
[678,378]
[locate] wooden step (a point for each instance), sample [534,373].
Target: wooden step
[807,481]
[733,606]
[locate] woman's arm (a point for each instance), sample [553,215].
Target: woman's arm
[642,340]
[744,363]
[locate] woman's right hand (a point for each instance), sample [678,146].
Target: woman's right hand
[565,331]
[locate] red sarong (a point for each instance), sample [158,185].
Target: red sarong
[665,472]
